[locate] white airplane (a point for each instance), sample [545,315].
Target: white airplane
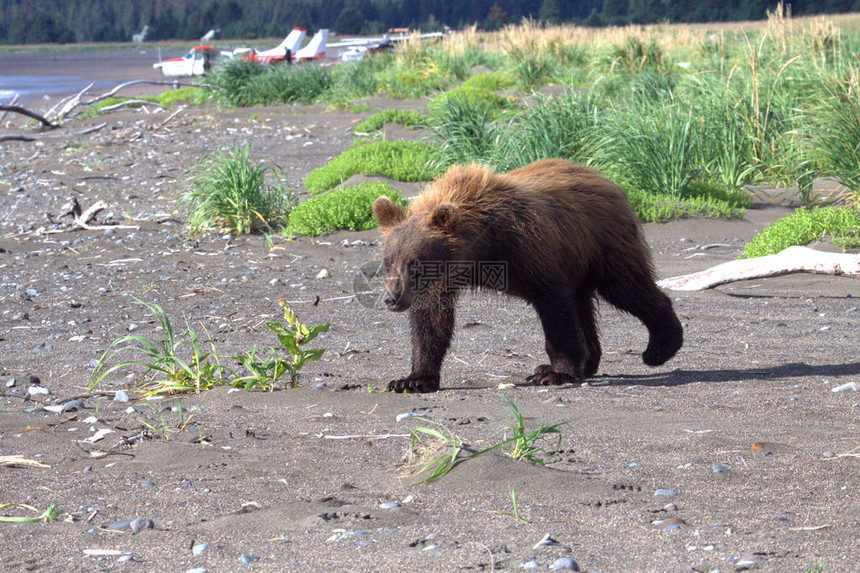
[278,54]
[315,49]
[198,60]
[358,48]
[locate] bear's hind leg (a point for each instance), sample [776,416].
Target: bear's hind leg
[564,343]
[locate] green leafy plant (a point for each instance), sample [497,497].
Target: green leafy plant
[228,190]
[242,84]
[804,226]
[172,373]
[293,336]
[263,373]
[399,160]
[349,208]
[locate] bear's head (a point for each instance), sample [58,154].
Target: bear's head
[415,247]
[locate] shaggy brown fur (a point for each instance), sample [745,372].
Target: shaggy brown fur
[563,233]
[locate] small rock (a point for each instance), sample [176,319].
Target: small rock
[35,390]
[125,558]
[147,484]
[564,563]
[670,507]
[121,396]
[530,565]
[718,469]
[276,282]
[72,405]
[199,548]
[430,547]
[669,524]
[248,559]
[389,505]
[132,327]
[323,274]
[134,525]
[666,492]
[829,454]
[748,561]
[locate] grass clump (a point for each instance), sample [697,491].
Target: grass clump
[399,160]
[522,445]
[407,118]
[805,226]
[350,208]
[228,190]
[243,84]
[173,373]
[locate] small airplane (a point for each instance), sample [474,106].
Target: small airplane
[278,54]
[315,49]
[358,48]
[196,62]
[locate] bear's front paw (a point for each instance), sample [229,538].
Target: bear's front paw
[545,376]
[416,384]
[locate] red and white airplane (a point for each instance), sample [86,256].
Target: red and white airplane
[278,54]
[197,61]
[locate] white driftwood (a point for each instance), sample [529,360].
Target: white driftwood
[788,261]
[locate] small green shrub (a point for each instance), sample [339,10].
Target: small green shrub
[488,81]
[407,118]
[399,160]
[477,97]
[228,190]
[242,84]
[350,208]
[804,226]
[655,208]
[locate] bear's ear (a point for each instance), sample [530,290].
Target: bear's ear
[387,213]
[445,218]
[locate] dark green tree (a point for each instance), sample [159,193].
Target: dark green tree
[549,12]
[349,21]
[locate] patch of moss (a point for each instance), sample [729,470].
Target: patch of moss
[349,208]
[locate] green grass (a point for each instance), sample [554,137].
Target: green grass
[524,445]
[399,160]
[805,226]
[173,371]
[229,191]
[349,208]
[406,118]
[243,84]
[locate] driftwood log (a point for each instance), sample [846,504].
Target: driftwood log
[789,261]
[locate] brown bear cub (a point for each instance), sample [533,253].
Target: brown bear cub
[553,233]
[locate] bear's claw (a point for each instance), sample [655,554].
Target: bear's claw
[545,376]
[416,385]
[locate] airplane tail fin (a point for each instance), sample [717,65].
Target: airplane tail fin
[315,48]
[293,40]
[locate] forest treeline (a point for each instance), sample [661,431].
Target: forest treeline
[65,21]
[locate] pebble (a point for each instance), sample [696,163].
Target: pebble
[135,525]
[276,282]
[34,390]
[843,387]
[666,492]
[669,524]
[132,327]
[248,559]
[530,565]
[829,454]
[718,469]
[72,405]
[389,505]
[546,540]
[323,274]
[121,396]
[125,558]
[748,561]
[564,563]
[430,547]
[199,548]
